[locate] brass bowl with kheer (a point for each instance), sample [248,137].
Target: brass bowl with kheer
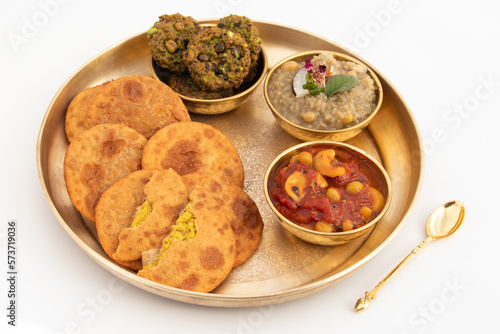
[306,133]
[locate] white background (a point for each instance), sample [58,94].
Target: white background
[441,55]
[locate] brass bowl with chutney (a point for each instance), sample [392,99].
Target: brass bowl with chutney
[327,193]
[329,121]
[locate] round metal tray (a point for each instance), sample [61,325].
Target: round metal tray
[283,267]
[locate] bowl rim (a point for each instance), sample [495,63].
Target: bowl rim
[336,54]
[284,220]
[263,56]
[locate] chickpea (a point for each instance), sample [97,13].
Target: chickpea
[322,226]
[305,158]
[309,116]
[354,187]
[347,118]
[290,66]
[320,181]
[347,225]
[366,213]
[333,194]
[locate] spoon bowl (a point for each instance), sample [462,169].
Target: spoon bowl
[445,220]
[442,222]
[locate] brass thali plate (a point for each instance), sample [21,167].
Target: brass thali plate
[283,267]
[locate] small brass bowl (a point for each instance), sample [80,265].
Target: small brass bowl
[306,134]
[333,238]
[218,106]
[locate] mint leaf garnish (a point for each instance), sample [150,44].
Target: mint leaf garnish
[340,83]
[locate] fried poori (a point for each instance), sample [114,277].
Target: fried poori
[199,253]
[189,147]
[98,157]
[246,220]
[139,102]
[166,196]
[77,110]
[116,209]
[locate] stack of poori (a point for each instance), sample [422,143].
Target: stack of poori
[205,62]
[164,192]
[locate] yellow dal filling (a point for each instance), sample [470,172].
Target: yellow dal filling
[142,213]
[183,230]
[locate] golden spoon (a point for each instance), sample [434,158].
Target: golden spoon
[442,222]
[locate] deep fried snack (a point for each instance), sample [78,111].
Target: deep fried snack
[117,208]
[246,221]
[168,39]
[199,253]
[98,157]
[244,26]
[189,147]
[139,102]
[77,110]
[166,196]
[184,85]
[137,212]
[217,59]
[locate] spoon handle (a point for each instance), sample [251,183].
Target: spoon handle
[363,303]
